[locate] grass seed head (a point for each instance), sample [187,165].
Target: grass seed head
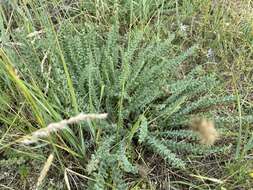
[206,129]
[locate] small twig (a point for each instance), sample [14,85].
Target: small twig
[45,170]
[207,178]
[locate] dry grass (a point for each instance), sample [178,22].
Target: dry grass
[61,125]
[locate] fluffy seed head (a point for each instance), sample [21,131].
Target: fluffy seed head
[206,129]
[54,127]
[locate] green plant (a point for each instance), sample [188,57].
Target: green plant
[123,69]
[134,79]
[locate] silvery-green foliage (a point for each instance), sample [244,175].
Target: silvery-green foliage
[137,81]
